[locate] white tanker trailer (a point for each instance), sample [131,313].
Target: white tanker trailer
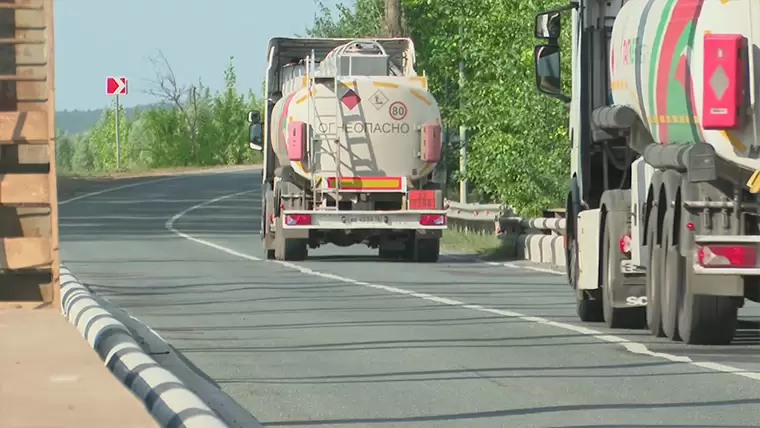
[662,209]
[350,138]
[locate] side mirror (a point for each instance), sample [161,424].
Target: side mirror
[547,71]
[254,116]
[548,25]
[255,137]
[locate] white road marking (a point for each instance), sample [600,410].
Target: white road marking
[512,265]
[630,346]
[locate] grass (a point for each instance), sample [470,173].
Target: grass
[487,246]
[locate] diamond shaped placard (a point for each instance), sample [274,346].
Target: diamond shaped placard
[719,82]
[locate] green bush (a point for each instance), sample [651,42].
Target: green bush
[201,129]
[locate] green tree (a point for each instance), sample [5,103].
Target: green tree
[518,142]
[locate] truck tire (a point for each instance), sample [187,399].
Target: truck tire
[422,250]
[588,310]
[267,208]
[615,225]
[673,278]
[654,278]
[707,320]
[289,249]
[427,250]
[295,250]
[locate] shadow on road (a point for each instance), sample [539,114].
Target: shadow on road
[519,412]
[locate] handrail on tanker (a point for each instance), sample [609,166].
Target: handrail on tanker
[340,50]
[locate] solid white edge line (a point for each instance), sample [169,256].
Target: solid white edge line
[630,346]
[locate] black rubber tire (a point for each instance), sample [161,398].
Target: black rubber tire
[673,278]
[707,320]
[654,278]
[614,226]
[427,250]
[296,250]
[588,310]
[265,224]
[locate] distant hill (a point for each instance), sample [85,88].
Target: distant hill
[78,121]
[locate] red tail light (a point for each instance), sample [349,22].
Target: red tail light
[432,219]
[625,244]
[297,219]
[739,256]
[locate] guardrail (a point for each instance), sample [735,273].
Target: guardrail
[536,239]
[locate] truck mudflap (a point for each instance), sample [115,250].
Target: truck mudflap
[373,220]
[726,255]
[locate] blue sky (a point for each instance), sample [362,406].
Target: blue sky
[97,38]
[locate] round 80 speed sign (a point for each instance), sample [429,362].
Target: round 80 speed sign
[397,110]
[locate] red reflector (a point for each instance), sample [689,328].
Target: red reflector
[625,244]
[727,255]
[421,199]
[433,219]
[350,99]
[298,219]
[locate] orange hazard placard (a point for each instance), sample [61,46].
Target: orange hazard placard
[422,199]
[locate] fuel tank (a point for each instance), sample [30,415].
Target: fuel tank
[689,70]
[376,120]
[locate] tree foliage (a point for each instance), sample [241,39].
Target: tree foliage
[191,127]
[518,150]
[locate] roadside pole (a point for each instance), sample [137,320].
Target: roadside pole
[117,86]
[462,128]
[118,136]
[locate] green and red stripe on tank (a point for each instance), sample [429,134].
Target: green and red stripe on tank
[673,95]
[282,125]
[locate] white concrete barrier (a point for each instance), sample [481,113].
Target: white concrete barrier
[170,402]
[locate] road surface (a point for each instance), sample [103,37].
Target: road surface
[346,340]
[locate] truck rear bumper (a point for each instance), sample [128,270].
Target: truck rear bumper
[364,220]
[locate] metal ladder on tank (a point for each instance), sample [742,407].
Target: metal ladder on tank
[317,139]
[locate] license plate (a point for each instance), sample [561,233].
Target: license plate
[353,219]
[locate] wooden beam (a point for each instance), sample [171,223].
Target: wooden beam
[25,126]
[25,189]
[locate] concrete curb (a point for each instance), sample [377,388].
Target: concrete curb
[170,402]
[541,249]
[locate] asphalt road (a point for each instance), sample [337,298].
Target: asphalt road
[344,339]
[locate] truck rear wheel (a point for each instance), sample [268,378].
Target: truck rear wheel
[654,278]
[673,279]
[295,249]
[426,250]
[266,236]
[707,320]
[289,249]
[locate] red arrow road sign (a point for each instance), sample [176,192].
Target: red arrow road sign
[116,85]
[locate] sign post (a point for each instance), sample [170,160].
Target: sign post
[117,86]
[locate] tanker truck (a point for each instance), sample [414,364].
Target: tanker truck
[350,139]
[662,204]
